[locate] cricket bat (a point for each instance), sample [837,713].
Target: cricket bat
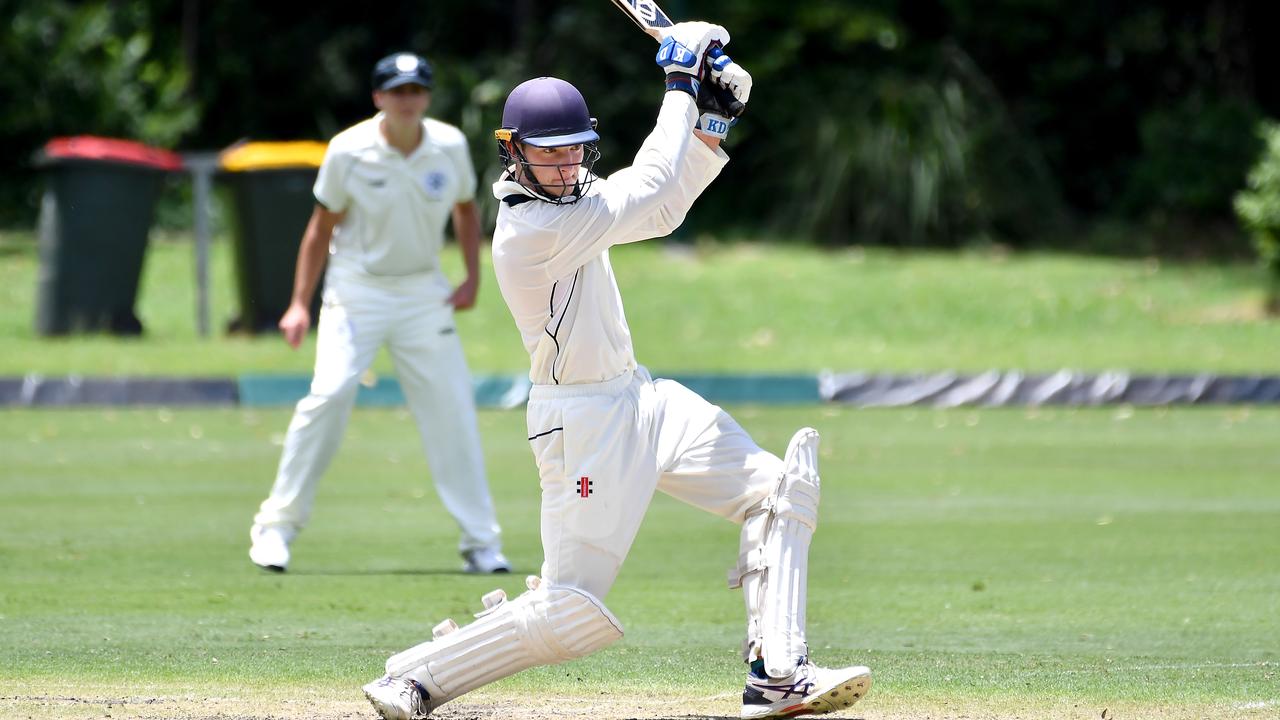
[654,22]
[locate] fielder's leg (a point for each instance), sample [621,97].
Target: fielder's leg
[432,369]
[345,347]
[773,573]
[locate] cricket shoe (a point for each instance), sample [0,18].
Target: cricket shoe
[398,698]
[810,690]
[270,548]
[485,561]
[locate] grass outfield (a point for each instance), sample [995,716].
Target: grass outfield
[985,564]
[749,308]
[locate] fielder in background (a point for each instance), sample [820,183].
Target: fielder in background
[604,434]
[385,191]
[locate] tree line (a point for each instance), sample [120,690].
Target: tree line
[895,122]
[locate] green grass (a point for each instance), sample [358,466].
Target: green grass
[751,308]
[995,563]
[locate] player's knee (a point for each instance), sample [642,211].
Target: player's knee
[579,623]
[326,394]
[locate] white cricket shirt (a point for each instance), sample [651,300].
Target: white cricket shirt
[396,206]
[552,261]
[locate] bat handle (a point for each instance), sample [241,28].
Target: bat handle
[728,101]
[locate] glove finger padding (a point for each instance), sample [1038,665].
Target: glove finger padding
[729,75]
[684,48]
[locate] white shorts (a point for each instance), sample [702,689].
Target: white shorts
[602,450]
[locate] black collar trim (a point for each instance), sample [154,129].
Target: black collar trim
[513,200]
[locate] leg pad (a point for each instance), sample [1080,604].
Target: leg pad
[773,563]
[546,625]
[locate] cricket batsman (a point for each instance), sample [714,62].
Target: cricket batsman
[604,434]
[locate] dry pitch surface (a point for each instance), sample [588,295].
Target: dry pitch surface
[132,703]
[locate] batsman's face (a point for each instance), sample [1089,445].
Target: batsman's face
[405,103]
[555,168]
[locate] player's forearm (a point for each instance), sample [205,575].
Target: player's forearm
[312,255]
[710,141]
[466,228]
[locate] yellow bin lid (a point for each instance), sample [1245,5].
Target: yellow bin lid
[272,155]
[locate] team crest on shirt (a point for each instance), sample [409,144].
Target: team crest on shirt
[435,183]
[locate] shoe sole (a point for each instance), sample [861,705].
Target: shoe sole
[838,697]
[478,571]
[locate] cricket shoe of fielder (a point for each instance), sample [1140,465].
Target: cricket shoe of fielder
[810,690]
[398,698]
[270,546]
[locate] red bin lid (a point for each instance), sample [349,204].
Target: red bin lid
[89,147]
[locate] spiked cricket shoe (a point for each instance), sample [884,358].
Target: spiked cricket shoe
[398,698]
[810,690]
[270,548]
[485,561]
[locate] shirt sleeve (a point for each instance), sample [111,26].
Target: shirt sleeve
[635,202]
[330,188]
[699,167]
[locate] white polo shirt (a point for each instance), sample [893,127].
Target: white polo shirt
[552,261]
[396,206]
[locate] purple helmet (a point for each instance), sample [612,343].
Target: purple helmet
[547,112]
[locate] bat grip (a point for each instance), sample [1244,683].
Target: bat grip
[728,101]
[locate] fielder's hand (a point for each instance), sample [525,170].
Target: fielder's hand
[683,52]
[464,296]
[295,324]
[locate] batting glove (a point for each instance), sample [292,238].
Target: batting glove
[729,75]
[723,97]
[683,51]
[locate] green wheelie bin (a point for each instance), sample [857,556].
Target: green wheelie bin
[99,202]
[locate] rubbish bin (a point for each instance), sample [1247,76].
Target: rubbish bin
[97,209]
[271,184]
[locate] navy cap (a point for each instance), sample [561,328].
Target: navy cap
[401,69]
[548,112]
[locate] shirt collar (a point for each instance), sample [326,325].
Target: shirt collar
[381,140]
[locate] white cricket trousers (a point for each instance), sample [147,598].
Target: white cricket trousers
[358,316]
[602,449]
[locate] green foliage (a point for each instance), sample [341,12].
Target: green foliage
[912,157]
[1194,157]
[1258,209]
[886,122]
[98,68]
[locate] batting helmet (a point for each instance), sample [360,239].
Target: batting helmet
[547,112]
